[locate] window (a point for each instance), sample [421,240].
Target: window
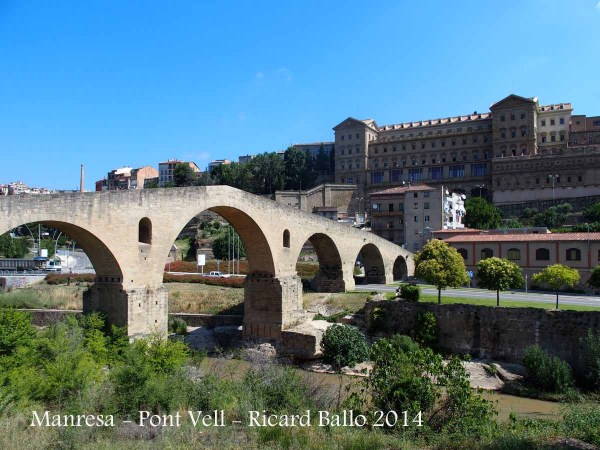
[479,170]
[391,207]
[426,205]
[487,253]
[416,205]
[416,174]
[551,121]
[542,254]
[543,123]
[456,171]
[415,195]
[502,134]
[435,173]
[522,115]
[464,253]
[543,138]
[512,116]
[286,238]
[432,144]
[416,219]
[376,177]
[502,118]
[357,135]
[573,254]
[513,133]
[396,175]
[514,254]
[342,137]
[553,138]
[349,136]
[426,219]
[562,120]
[426,194]
[562,136]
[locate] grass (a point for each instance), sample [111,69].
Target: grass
[44,296]
[350,302]
[432,298]
[204,299]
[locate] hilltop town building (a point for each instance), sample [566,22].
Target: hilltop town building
[519,151]
[125,178]
[166,168]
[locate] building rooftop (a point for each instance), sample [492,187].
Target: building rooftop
[442,121]
[525,237]
[403,189]
[556,107]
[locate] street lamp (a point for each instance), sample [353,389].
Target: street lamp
[553,178]
[480,186]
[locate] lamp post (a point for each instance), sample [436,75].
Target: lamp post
[553,178]
[480,187]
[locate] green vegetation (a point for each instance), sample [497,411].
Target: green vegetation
[441,265]
[498,275]
[481,214]
[430,298]
[225,243]
[410,292]
[343,346]
[425,330]
[82,367]
[590,357]
[592,213]
[13,247]
[557,276]
[594,280]
[553,217]
[548,373]
[418,381]
[177,326]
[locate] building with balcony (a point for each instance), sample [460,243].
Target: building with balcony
[407,215]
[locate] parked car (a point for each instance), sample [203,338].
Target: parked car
[215,273]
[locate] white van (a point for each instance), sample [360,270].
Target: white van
[214,273]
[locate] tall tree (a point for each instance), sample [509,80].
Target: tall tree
[322,161]
[498,274]
[184,175]
[481,214]
[557,276]
[295,162]
[441,265]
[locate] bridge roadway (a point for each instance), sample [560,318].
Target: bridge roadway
[128,235]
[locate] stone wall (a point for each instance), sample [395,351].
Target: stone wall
[491,332]
[16,281]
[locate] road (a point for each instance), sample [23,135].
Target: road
[565,299]
[78,261]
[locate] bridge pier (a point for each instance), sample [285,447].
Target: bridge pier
[271,305]
[143,310]
[329,279]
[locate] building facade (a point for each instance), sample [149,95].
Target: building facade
[125,178]
[518,151]
[407,215]
[166,168]
[533,252]
[323,200]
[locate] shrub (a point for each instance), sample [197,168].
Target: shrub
[404,343]
[547,372]
[425,330]
[343,345]
[63,278]
[410,292]
[16,330]
[378,320]
[233,282]
[177,326]
[420,381]
[590,358]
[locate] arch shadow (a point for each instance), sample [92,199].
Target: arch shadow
[400,269]
[330,277]
[372,264]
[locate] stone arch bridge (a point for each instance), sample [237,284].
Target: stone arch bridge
[128,234]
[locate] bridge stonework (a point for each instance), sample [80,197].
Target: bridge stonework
[128,235]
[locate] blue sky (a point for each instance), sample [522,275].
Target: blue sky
[113,83]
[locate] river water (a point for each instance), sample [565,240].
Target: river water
[332,386]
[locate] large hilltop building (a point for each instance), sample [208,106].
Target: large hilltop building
[520,151]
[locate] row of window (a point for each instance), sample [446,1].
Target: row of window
[433,144]
[435,173]
[440,159]
[514,254]
[430,133]
[553,121]
[513,116]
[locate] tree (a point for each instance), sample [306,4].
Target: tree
[553,217]
[481,214]
[594,280]
[512,223]
[498,274]
[13,247]
[441,265]
[295,162]
[557,276]
[592,213]
[223,245]
[184,175]
[343,346]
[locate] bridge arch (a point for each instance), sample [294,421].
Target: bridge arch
[372,264]
[400,269]
[145,231]
[103,260]
[330,277]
